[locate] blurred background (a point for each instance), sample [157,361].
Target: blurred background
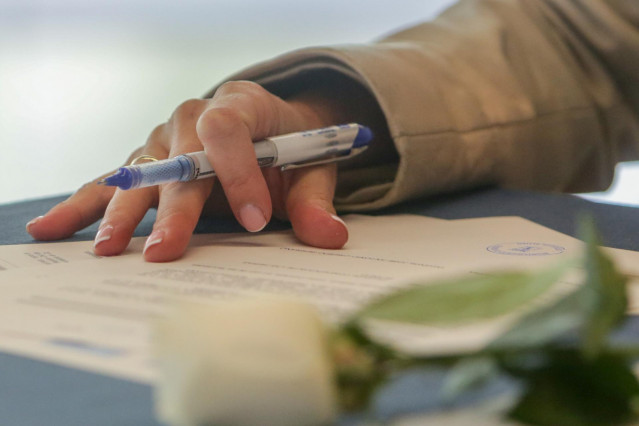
[83,82]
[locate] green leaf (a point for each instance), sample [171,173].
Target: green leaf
[543,326]
[603,294]
[464,300]
[584,381]
[593,309]
[572,391]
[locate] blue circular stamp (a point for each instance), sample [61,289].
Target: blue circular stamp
[526,249]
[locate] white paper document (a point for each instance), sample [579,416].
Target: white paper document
[29,255]
[95,313]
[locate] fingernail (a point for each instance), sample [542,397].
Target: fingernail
[33,222]
[155,238]
[336,218]
[252,218]
[104,234]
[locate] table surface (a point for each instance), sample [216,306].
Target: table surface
[39,393]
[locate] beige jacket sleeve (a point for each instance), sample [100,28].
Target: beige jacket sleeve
[536,94]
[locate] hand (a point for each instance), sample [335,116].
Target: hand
[225,126]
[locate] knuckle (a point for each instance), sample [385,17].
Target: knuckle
[157,133]
[240,86]
[156,138]
[219,122]
[256,107]
[188,110]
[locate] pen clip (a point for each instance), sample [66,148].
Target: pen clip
[331,159]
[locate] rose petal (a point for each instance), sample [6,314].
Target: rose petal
[244,363]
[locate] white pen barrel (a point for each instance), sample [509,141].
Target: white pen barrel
[284,150]
[313,145]
[265,151]
[201,166]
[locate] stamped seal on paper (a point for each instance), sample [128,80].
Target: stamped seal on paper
[526,249]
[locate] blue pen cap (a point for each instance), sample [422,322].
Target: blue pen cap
[364,136]
[177,169]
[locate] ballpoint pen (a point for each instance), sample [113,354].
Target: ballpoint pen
[288,151]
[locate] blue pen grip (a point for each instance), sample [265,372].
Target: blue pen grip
[150,174]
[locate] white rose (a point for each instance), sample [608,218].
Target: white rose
[244,363]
